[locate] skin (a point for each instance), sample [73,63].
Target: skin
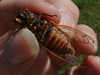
[23,56]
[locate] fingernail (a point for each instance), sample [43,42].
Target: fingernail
[22,47]
[66,19]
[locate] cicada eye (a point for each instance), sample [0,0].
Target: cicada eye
[26,9]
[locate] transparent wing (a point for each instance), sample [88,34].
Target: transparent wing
[72,58]
[75,34]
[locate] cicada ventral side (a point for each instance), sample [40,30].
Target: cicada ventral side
[51,36]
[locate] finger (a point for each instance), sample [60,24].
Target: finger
[83,48]
[68,10]
[89,67]
[9,10]
[20,48]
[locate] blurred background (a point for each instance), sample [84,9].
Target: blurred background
[89,15]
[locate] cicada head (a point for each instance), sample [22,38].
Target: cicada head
[26,18]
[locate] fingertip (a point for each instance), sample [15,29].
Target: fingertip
[66,19]
[83,48]
[91,64]
[90,60]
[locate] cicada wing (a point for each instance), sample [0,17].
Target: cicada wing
[75,34]
[72,58]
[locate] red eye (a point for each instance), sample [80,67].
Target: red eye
[26,9]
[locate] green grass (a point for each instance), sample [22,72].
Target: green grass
[89,15]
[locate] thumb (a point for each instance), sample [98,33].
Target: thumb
[22,47]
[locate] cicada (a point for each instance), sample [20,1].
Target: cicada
[56,39]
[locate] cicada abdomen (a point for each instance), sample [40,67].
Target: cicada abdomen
[57,42]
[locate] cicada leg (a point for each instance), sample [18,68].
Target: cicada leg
[43,14]
[45,28]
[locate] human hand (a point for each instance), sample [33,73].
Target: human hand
[23,53]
